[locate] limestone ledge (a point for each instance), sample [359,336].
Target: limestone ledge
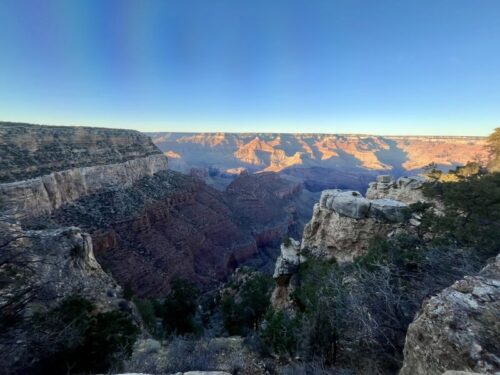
[44,194]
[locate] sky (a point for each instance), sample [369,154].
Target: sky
[332,66]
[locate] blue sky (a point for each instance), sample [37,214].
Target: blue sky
[349,66]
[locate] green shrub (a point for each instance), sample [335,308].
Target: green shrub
[243,310]
[280,332]
[77,252]
[75,336]
[180,307]
[471,212]
[147,312]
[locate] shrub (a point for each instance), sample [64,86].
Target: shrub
[243,310]
[77,252]
[148,316]
[279,332]
[472,212]
[180,307]
[75,336]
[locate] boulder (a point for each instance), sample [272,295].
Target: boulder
[351,204]
[389,209]
[327,195]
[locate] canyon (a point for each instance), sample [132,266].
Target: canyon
[318,161]
[98,211]
[148,224]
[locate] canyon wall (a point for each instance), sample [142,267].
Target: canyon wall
[319,161]
[28,151]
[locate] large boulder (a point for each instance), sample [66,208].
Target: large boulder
[351,204]
[389,209]
[458,329]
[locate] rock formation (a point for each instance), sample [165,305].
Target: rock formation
[29,151]
[458,329]
[344,223]
[404,189]
[39,269]
[285,274]
[342,226]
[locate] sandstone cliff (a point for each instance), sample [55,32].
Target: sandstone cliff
[458,329]
[278,152]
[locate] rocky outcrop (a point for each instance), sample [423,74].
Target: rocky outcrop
[285,274]
[404,189]
[39,268]
[62,263]
[458,329]
[344,223]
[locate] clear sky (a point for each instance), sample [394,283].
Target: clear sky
[350,66]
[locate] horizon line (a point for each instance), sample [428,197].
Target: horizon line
[9,122]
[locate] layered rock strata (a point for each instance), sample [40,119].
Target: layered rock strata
[458,329]
[44,194]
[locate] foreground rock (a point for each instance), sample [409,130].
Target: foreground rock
[459,329]
[39,269]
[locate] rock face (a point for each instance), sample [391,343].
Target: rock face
[344,222]
[285,274]
[458,329]
[404,189]
[44,194]
[39,269]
